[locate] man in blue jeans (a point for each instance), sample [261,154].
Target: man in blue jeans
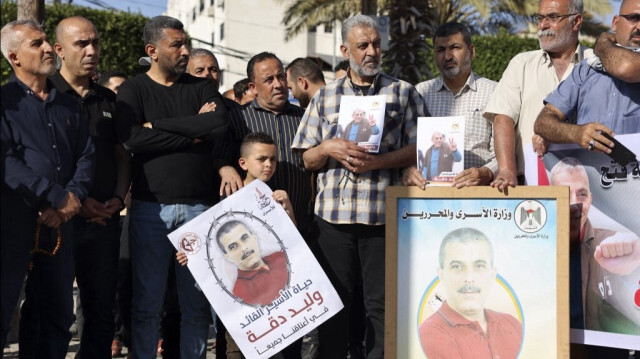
[166,120]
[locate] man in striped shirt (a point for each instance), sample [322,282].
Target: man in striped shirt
[270,112]
[351,183]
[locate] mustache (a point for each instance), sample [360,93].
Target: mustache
[469,288]
[547,32]
[370,59]
[247,253]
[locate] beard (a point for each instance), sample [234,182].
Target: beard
[176,69]
[454,72]
[363,70]
[47,68]
[559,40]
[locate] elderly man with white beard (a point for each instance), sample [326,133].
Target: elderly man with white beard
[529,78]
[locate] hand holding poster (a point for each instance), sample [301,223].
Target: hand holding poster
[256,271]
[605,197]
[440,148]
[361,120]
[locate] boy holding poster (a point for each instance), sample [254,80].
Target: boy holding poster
[258,158]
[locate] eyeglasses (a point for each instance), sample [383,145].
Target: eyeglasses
[632,18]
[553,18]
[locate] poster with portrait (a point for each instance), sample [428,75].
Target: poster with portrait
[361,120]
[608,196]
[476,274]
[256,271]
[440,148]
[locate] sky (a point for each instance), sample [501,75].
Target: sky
[148,8]
[152,8]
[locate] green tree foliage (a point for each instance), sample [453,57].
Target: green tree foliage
[121,41]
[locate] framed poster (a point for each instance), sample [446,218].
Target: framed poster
[464,263]
[608,196]
[256,271]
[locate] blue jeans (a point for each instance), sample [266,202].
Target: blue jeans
[151,256]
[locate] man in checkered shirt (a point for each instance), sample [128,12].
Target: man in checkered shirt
[460,92]
[351,183]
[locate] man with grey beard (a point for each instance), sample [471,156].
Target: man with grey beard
[460,92]
[47,168]
[349,205]
[529,78]
[167,121]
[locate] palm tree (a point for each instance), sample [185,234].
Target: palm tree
[414,21]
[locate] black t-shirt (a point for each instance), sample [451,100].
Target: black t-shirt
[167,167]
[99,105]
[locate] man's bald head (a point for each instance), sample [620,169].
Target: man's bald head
[71,22]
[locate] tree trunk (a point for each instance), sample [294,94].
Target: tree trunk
[31,9]
[369,7]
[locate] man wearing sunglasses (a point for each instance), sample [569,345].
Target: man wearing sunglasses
[594,100]
[529,78]
[617,60]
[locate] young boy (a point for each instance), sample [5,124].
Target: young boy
[258,157]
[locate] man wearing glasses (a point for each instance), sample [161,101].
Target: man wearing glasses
[529,78]
[602,102]
[617,60]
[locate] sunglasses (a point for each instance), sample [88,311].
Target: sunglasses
[632,18]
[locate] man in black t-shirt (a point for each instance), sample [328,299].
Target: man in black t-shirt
[97,234]
[166,119]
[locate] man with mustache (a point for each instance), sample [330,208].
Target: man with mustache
[47,169]
[460,92]
[462,327]
[351,183]
[166,120]
[259,279]
[604,264]
[272,113]
[97,231]
[592,101]
[529,78]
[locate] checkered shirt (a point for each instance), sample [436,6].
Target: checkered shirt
[470,103]
[344,197]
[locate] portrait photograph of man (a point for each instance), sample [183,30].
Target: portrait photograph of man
[361,120]
[605,243]
[440,147]
[463,327]
[464,279]
[257,276]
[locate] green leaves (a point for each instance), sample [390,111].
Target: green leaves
[121,41]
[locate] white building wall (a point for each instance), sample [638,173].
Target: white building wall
[250,27]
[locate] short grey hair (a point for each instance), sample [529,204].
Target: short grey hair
[202,52]
[568,164]
[464,235]
[9,41]
[356,21]
[576,6]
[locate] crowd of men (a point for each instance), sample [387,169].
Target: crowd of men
[72,150]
